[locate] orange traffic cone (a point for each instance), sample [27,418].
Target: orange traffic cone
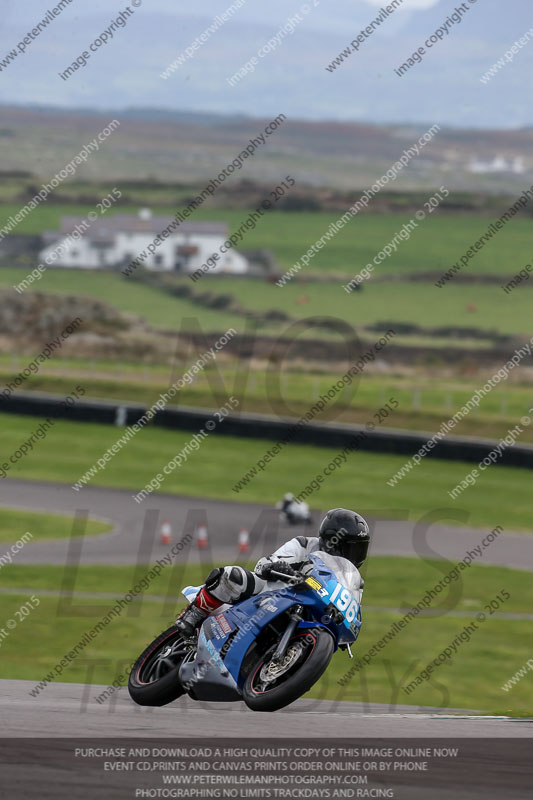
[166,532]
[201,538]
[244,541]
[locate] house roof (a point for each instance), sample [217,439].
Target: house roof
[104,230]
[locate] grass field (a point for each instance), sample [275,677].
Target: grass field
[420,303]
[472,680]
[389,582]
[72,191]
[70,449]
[424,403]
[159,309]
[439,241]
[15,523]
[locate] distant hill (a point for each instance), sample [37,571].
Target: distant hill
[183,146]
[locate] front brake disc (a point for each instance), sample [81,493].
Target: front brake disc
[272,671]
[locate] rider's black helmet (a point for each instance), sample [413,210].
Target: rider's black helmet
[345,533]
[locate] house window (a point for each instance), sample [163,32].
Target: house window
[158,260]
[187,250]
[74,253]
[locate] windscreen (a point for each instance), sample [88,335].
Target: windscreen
[344,570]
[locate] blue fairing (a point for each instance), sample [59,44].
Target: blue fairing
[241,624]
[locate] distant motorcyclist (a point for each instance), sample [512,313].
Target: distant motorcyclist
[293,511]
[342,533]
[288,500]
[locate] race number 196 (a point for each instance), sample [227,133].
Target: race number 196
[345,602]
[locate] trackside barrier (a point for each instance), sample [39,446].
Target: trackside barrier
[332,434]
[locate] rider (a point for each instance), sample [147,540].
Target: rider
[286,505]
[342,533]
[288,500]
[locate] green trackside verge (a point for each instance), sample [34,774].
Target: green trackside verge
[424,403]
[15,525]
[216,468]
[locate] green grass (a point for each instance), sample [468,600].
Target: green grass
[390,582]
[472,680]
[419,303]
[72,448]
[70,192]
[439,241]
[15,523]
[393,582]
[424,402]
[495,652]
[385,303]
[159,309]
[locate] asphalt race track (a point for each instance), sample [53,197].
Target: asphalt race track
[136,534]
[70,710]
[39,759]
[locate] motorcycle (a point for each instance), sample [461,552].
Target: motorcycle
[267,651]
[295,513]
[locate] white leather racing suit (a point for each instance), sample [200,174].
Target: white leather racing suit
[233,584]
[293,552]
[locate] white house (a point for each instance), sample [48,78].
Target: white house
[497,164]
[118,240]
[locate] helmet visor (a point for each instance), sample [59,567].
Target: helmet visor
[354,551]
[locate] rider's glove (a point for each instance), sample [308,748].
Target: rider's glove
[277,566]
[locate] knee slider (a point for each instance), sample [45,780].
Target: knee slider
[213,579]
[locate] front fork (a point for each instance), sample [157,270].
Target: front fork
[295,619]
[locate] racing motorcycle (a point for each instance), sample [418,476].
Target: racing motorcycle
[267,651]
[295,513]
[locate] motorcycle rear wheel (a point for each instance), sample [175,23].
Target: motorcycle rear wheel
[270,687]
[154,679]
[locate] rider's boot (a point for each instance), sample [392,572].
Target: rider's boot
[196,612]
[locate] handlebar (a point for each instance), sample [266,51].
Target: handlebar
[294,580]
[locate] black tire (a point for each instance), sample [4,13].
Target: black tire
[300,677]
[154,679]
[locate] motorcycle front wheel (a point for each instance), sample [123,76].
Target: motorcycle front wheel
[154,679]
[270,686]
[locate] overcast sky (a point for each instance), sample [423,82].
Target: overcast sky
[445,87]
